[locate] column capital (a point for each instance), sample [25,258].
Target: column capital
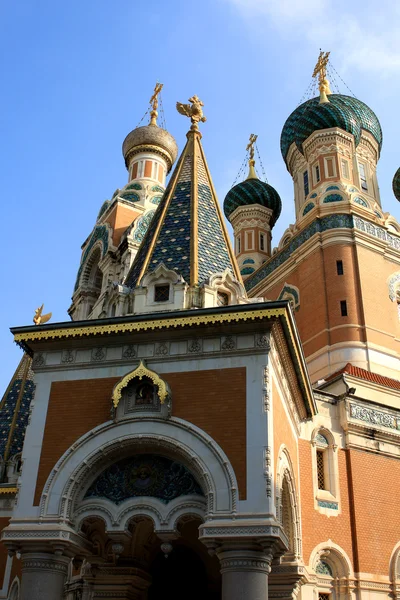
[244,560]
[32,561]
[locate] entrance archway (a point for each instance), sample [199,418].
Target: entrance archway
[188,571]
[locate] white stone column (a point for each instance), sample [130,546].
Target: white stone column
[43,576]
[244,574]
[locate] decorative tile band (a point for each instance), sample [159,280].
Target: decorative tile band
[336,221]
[375,417]
[326,504]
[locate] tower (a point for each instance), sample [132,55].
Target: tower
[107,254]
[340,259]
[252,207]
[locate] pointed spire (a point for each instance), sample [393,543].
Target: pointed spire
[187,232]
[14,409]
[250,148]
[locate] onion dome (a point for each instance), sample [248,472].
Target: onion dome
[151,138]
[396,184]
[253,191]
[345,112]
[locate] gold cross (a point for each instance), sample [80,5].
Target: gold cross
[154,103]
[250,145]
[320,67]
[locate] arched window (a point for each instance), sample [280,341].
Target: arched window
[331,567]
[325,472]
[92,280]
[287,506]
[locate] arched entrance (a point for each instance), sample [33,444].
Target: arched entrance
[188,571]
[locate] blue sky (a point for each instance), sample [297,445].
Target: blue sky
[77,77]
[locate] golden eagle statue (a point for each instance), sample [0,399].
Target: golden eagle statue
[40,319]
[193,110]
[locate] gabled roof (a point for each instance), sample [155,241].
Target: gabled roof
[350,369]
[187,232]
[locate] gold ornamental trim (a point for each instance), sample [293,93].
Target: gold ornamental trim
[88,330]
[140,372]
[8,490]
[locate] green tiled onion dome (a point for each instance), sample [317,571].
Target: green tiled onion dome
[345,112]
[396,184]
[253,191]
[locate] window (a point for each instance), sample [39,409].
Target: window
[345,168]
[238,244]
[135,170]
[343,308]
[329,169]
[317,174]
[363,176]
[305,182]
[339,267]
[161,293]
[249,240]
[222,299]
[323,596]
[262,247]
[320,470]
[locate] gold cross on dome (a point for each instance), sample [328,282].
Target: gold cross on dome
[320,67]
[250,145]
[154,103]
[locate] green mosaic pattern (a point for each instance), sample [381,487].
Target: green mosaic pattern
[396,184]
[350,114]
[253,191]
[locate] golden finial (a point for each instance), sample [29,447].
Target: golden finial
[193,110]
[320,71]
[154,103]
[40,319]
[250,148]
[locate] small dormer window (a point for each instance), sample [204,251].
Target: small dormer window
[161,293]
[363,176]
[222,299]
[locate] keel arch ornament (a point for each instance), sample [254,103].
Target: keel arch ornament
[141,371]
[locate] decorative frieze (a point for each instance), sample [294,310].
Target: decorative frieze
[229,343]
[98,354]
[326,504]
[374,417]
[265,388]
[68,357]
[268,471]
[129,352]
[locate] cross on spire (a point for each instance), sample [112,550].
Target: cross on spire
[154,103]
[320,72]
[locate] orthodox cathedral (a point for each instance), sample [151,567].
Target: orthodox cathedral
[217,422]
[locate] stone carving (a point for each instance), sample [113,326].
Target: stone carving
[267,471]
[266,388]
[194,346]
[376,417]
[98,354]
[162,349]
[68,356]
[129,352]
[263,342]
[38,360]
[229,343]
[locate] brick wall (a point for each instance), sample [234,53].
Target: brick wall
[214,400]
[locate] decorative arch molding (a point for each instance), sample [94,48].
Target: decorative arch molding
[286,484]
[164,517]
[292,293]
[332,554]
[99,238]
[14,592]
[394,285]
[141,371]
[91,454]
[226,283]
[394,570]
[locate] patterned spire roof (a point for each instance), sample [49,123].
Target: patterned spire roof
[14,409]
[187,232]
